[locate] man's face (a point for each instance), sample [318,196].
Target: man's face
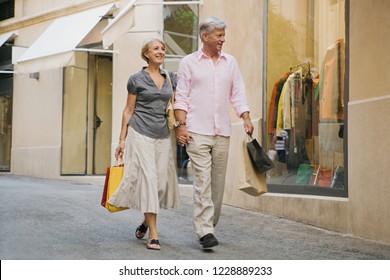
[215,39]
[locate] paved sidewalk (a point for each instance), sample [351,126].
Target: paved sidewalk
[43,219]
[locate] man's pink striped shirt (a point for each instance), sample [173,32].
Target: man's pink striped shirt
[204,90]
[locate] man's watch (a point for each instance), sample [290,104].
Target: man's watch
[177,124]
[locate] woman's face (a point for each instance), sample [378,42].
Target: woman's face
[156,53]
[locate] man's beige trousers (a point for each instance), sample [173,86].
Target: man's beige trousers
[209,156]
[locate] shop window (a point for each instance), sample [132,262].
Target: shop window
[7,9]
[305,100]
[181,37]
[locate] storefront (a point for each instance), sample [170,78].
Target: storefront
[306,96]
[313,73]
[6,97]
[62,95]
[322,95]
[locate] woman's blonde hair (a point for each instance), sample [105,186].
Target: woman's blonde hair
[146,46]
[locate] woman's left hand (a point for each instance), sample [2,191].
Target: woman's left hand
[120,150]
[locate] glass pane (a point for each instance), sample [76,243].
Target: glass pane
[181,37]
[305,93]
[103,114]
[180,31]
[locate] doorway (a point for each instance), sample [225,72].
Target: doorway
[87,115]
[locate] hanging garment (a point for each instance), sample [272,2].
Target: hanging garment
[281,146]
[273,106]
[296,153]
[284,105]
[331,91]
[315,106]
[307,96]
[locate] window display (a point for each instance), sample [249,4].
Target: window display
[306,95]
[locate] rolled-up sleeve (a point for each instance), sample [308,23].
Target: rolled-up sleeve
[183,87]
[238,97]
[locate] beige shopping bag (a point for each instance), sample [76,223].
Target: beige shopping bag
[253,182]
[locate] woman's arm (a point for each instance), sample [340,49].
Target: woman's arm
[126,115]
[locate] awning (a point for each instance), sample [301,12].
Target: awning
[56,47]
[122,23]
[7,36]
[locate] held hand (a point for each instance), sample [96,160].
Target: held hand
[182,135]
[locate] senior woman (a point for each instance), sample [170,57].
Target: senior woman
[149,181]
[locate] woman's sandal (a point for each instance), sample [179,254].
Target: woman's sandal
[141,231]
[153,244]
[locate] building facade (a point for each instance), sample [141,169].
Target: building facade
[315,73]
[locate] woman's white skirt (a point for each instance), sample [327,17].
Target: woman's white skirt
[149,180]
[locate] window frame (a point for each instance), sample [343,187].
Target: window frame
[309,189]
[175,57]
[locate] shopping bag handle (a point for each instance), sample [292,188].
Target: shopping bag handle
[249,137]
[119,162]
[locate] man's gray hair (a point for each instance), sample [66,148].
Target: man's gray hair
[209,24]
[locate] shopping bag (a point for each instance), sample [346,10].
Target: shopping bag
[170,112]
[260,160]
[321,176]
[314,177]
[325,177]
[305,172]
[338,178]
[254,182]
[170,115]
[104,195]
[113,178]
